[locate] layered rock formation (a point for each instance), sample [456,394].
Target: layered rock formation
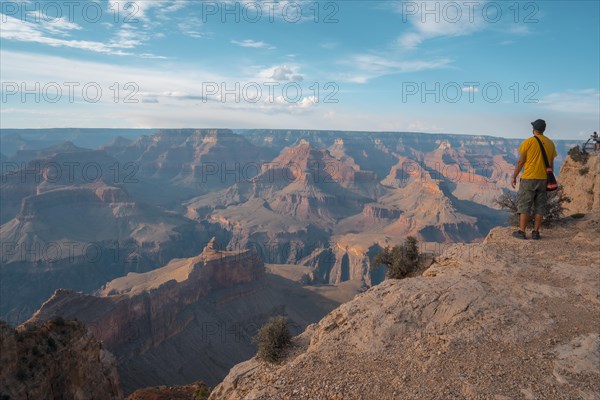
[24,156]
[287,211]
[79,237]
[56,167]
[327,192]
[189,162]
[324,185]
[501,319]
[581,180]
[192,319]
[55,360]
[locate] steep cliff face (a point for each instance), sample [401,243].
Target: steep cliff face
[192,319]
[581,180]
[501,319]
[55,360]
[344,260]
[148,306]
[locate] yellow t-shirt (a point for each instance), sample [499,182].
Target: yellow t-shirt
[534,161]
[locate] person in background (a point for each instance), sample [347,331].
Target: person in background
[532,187]
[596,141]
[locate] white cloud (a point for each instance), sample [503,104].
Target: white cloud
[25,31]
[470,89]
[582,101]
[139,10]
[188,89]
[57,32]
[282,73]
[128,38]
[410,40]
[53,34]
[432,19]
[152,82]
[369,66]
[458,20]
[192,27]
[308,102]
[60,26]
[252,43]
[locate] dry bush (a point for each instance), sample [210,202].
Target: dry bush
[272,339]
[554,207]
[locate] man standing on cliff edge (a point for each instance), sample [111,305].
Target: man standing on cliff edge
[532,187]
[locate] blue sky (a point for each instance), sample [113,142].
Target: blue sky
[479,67]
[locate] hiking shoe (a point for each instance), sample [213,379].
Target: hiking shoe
[535,235]
[519,235]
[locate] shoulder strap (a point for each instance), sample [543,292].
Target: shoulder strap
[543,152]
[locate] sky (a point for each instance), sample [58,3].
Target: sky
[473,67]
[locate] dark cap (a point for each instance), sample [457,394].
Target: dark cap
[539,125]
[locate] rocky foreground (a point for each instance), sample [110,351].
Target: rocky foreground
[504,319]
[55,360]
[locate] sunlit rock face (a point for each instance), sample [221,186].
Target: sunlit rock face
[580,180]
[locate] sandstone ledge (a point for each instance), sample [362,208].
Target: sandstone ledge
[499,320]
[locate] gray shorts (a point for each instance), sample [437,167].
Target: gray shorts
[532,196]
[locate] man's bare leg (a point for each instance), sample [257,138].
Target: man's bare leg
[538,222]
[523,220]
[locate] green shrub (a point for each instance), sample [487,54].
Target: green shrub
[578,155]
[202,393]
[272,339]
[584,171]
[554,207]
[399,260]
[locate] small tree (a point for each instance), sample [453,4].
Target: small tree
[399,260]
[411,246]
[554,207]
[272,339]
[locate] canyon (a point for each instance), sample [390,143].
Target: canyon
[191,319]
[505,318]
[190,240]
